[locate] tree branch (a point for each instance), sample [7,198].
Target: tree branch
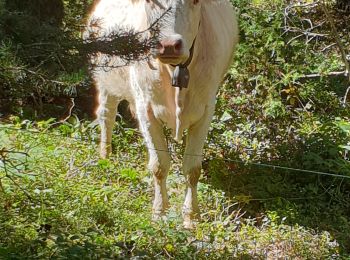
[319,75]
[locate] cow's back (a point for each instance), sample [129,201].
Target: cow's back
[112,15]
[108,17]
[212,55]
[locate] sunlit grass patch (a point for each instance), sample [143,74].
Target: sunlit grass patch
[78,205]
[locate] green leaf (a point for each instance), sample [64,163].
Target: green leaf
[225,117]
[344,125]
[346,147]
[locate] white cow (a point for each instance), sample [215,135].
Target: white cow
[196,39]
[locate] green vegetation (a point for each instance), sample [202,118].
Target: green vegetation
[283,103]
[62,202]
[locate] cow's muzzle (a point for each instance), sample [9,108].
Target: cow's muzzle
[170,51]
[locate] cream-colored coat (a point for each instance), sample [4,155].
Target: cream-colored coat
[147,85]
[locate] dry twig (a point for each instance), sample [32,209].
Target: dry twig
[9,165]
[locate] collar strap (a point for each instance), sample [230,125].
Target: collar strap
[189,60]
[181,74]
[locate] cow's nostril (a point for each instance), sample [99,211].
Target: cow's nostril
[178,45]
[160,47]
[170,47]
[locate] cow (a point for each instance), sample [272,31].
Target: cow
[176,87]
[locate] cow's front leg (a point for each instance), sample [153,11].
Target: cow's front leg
[192,165]
[106,113]
[159,158]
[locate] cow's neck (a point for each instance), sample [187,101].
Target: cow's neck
[181,75]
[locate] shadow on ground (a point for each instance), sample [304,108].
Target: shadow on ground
[310,200]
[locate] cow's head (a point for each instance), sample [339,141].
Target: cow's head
[178,27]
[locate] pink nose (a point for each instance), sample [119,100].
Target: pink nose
[169,47]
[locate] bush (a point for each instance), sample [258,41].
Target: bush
[282,104]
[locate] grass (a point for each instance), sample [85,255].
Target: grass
[60,201]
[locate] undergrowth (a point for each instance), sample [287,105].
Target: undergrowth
[281,104]
[60,201]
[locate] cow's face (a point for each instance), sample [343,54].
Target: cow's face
[178,27]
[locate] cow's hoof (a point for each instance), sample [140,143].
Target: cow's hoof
[104,154]
[190,224]
[191,220]
[159,216]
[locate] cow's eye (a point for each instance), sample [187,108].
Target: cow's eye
[148,1]
[195,1]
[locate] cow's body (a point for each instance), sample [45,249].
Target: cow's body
[147,85]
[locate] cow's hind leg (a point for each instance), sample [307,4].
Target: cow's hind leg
[159,158]
[106,113]
[192,165]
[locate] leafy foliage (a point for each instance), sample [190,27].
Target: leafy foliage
[66,203]
[283,103]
